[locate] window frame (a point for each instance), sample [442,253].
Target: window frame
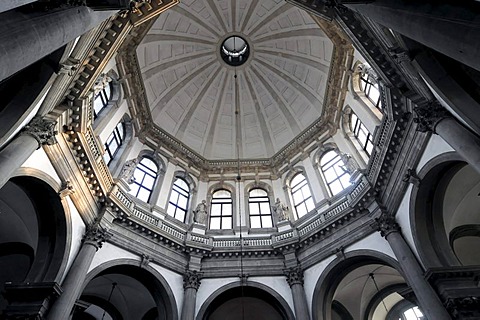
[331,164]
[221,201]
[299,186]
[360,127]
[118,136]
[258,200]
[175,205]
[366,85]
[145,173]
[105,99]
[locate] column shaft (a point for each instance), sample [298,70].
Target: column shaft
[428,300]
[189,302]
[73,283]
[466,143]
[449,27]
[27,37]
[300,302]
[14,155]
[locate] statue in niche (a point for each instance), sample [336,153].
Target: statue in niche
[280,210]
[200,213]
[128,170]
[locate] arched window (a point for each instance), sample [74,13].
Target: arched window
[178,203]
[334,171]
[144,178]
[114,142]
[369,86]
[301,195]
[259,209]
[221,213]
[101,97]
[361,134]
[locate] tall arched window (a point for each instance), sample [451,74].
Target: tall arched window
[301,195]
[361,133]
[369,86]
[259,209]
[221,213]
[102,95]
[114,142]
[178,203]
[144,178]
[334,171]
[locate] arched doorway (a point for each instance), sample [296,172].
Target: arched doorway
[253,301]
[125,291]
[33,241]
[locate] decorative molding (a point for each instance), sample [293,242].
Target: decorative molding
[294,276]
[42,130]
[96,236]
[386,224]
[429,115]
[191,279]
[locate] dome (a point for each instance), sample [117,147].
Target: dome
[251,108]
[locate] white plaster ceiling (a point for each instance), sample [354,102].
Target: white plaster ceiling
[192,93]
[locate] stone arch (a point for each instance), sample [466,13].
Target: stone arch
[207,305]
[335,272]
[153,281]
[434,227]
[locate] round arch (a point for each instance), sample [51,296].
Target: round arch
[155,283]
[427,216]
[337,270]
[258,287]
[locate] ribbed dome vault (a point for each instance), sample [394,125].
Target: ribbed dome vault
[193,94]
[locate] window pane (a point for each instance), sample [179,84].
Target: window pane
[255,222]
[226,223]
[180,215]
[265,208]
[310,205]
[134,189]
[138,175]
[258,193]
[297,179]
[297,197]
[301,210]
[327,157]
[227,210]
[182,202]
[345,180]
[254,209]
[336,187]
[215,223]
[148,182]
[171,209]
[266,221]
[221,194]
[330,175]
[143,194]
[306,192]
[174,197]
[216,209]
[182,184]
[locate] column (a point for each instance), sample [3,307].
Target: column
[191,283]
[428,300]
[433,117]
[93,239]
[451,27]
[37,133]
[295,281]
[26,37]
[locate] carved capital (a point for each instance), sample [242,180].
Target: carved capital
[294,276]
[42,130]
[191,279]
[429,115]
[96,236]
[386,224]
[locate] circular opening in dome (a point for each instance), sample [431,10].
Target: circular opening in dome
[234,51]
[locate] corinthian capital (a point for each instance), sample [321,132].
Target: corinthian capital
[294,275]
[386,224]
[42,130]
[96,236]
[191,279]
[429,115]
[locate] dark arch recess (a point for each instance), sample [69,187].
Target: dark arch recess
[149,277]
[427,227]
[252,289]
[336,271]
